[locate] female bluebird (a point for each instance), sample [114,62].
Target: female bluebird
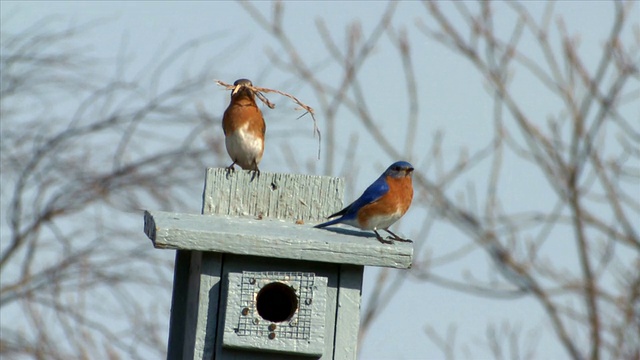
[244,127]
[382,204]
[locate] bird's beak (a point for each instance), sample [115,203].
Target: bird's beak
[409,170]
[236,89]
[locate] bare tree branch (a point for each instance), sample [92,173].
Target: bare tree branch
[568,152]
[87,153]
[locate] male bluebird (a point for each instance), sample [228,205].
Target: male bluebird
[244,127]
[382,204]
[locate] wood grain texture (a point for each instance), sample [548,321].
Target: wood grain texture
[273,195]
[272,238]
[347,322]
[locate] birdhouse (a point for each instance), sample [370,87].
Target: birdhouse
[254,280]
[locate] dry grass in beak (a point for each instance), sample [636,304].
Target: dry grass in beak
[259,90]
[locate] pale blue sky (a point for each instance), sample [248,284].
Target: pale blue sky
[453,99]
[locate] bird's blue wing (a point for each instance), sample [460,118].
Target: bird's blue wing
[373,193]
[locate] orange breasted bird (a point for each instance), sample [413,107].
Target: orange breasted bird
[244,127]
[382,204]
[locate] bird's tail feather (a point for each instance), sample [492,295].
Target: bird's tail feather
[328,223]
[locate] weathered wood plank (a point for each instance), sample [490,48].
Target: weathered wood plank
[208,305]
[272,195]
[178,324]
[272,238]
[348,316]
[192,293]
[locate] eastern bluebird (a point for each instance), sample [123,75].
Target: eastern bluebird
[382,204]
[244,127]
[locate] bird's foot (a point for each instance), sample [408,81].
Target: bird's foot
[396,237]
[399,239]
[255,173]
[381,239]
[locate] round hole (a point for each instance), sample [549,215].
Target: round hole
[276,302]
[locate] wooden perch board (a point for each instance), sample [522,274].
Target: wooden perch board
[272,238]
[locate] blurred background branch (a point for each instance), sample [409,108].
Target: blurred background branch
[71,272]
[543,207]
[579,152]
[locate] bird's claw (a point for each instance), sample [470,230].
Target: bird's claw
[384,241]
[230,170]
[394,236]
[255,173]
[381,239]
[397,238]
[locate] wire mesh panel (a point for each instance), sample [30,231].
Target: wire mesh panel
[295,326]
[275,310]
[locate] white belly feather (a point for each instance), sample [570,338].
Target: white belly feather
[381,221]
[244,148]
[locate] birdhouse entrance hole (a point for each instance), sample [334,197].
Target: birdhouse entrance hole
[276,302]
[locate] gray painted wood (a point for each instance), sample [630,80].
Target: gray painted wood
[192,298]
[347,322]
[273,238]
[314,346]
[272,195]
[208,305]
[178,325]
[238,263]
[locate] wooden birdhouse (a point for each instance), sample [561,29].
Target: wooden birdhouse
[254,280]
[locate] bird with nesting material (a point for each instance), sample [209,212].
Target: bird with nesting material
[244,127]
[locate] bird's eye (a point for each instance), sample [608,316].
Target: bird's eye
[397,168]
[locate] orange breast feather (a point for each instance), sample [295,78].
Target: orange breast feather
[243,112]
[396,201]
